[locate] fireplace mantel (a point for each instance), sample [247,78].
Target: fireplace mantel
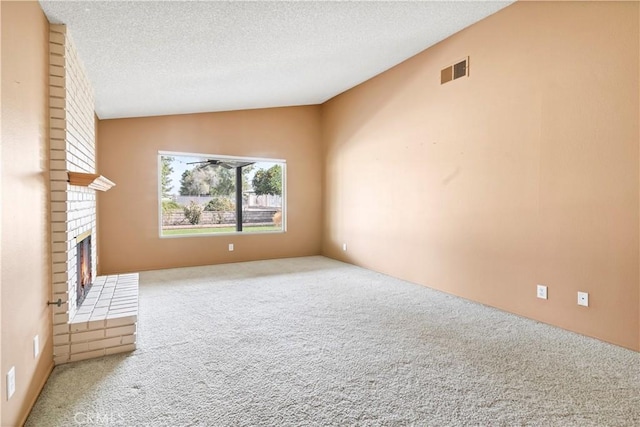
[90,180]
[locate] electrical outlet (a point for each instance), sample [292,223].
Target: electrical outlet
[344,247]
[230,247]
[36,346]
[583,299]
[11,382]
[542,292]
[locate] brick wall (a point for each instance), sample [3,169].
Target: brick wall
[108,325]
[73,208]
[176,217]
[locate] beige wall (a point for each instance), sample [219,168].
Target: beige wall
[1,137]
[525,172]
[128,213]
[25,220]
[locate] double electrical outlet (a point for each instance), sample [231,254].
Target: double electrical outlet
[542,292]
[583,297]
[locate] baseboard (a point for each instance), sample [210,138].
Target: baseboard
[23,420]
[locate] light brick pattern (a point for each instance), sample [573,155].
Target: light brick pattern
[104,324]
[73,208]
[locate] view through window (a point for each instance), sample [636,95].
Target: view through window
[202,194]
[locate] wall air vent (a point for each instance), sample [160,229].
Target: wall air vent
[455,71]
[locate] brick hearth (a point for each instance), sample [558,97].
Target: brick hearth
[105,323]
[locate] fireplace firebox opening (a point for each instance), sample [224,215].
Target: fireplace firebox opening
[84,277]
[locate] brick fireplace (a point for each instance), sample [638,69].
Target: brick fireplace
[104,320]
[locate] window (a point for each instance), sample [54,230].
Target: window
[207,194]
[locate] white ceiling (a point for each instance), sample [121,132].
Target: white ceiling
[148,58]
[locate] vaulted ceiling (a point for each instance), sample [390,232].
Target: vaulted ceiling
[149,58]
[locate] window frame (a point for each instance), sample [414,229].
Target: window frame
[281,162]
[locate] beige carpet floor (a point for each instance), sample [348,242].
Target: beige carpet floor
[315,342]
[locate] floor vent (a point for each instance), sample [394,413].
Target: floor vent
[455,71]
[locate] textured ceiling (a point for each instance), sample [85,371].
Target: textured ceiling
[149,58]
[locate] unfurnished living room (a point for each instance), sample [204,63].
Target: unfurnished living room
[350,213]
